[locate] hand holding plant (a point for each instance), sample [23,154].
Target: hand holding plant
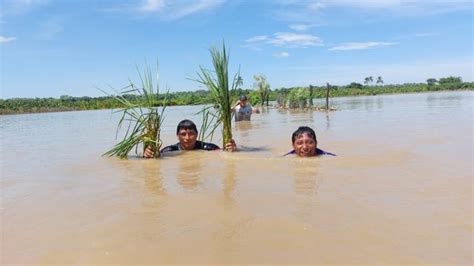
[143,117]
[218,85]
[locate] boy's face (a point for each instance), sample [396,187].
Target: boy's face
[187,138]
[305,146]
[243,103]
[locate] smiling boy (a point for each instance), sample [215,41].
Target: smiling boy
[305,143]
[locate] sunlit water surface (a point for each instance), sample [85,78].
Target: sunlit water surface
[399,191]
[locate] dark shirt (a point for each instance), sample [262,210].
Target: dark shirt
[319,152]
[199,146]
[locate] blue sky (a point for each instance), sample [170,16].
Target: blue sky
[50,48]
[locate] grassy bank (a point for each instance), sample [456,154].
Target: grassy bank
[69,103]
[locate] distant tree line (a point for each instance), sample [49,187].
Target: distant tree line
[260,94]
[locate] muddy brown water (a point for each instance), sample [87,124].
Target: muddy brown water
[399,191]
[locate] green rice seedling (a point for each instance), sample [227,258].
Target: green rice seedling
[143,116]
[217,81]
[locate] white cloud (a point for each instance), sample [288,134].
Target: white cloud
[167,9]
[259,38]
[281,55]
[359,46]
[284,39]
[151,5]
[290,39]
[316,6]
[200,6]
[4,39]
[417,35]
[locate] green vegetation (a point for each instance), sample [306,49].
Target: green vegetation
[286,95]
[263,88]
[297,98]
[68,103]
[218,85]
[143,118]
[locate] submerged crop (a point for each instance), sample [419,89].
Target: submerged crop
[143,116]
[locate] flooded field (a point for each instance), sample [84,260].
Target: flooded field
[399,190]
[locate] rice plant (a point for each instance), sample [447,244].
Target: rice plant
[143,117]
[217,82]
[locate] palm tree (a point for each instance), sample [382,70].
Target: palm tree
[431,82]
[368,80]
[238,91]
[239,82]
[379,80]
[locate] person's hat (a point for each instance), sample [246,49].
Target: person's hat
[243,98]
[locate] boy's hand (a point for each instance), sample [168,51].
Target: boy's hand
[148,153]
[235,105]
[231,146]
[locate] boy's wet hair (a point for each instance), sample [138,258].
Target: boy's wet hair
[303,130]
[186,125]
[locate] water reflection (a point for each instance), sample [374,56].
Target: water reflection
[369,103]
[244,128]
[264,109]
[440,100]
[305,177]
[246,132]
[189,170]
[229,182]
[328,121]
[153,178]
[142,211]
[305,185]
[379,101]
[301,116]
[229,223]
[140,171]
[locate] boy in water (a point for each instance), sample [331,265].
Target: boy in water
[187,134]
[305,143]
[243,110]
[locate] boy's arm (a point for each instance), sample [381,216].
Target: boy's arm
[255,110]
[235,105]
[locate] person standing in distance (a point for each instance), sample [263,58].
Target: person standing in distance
[243,110]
